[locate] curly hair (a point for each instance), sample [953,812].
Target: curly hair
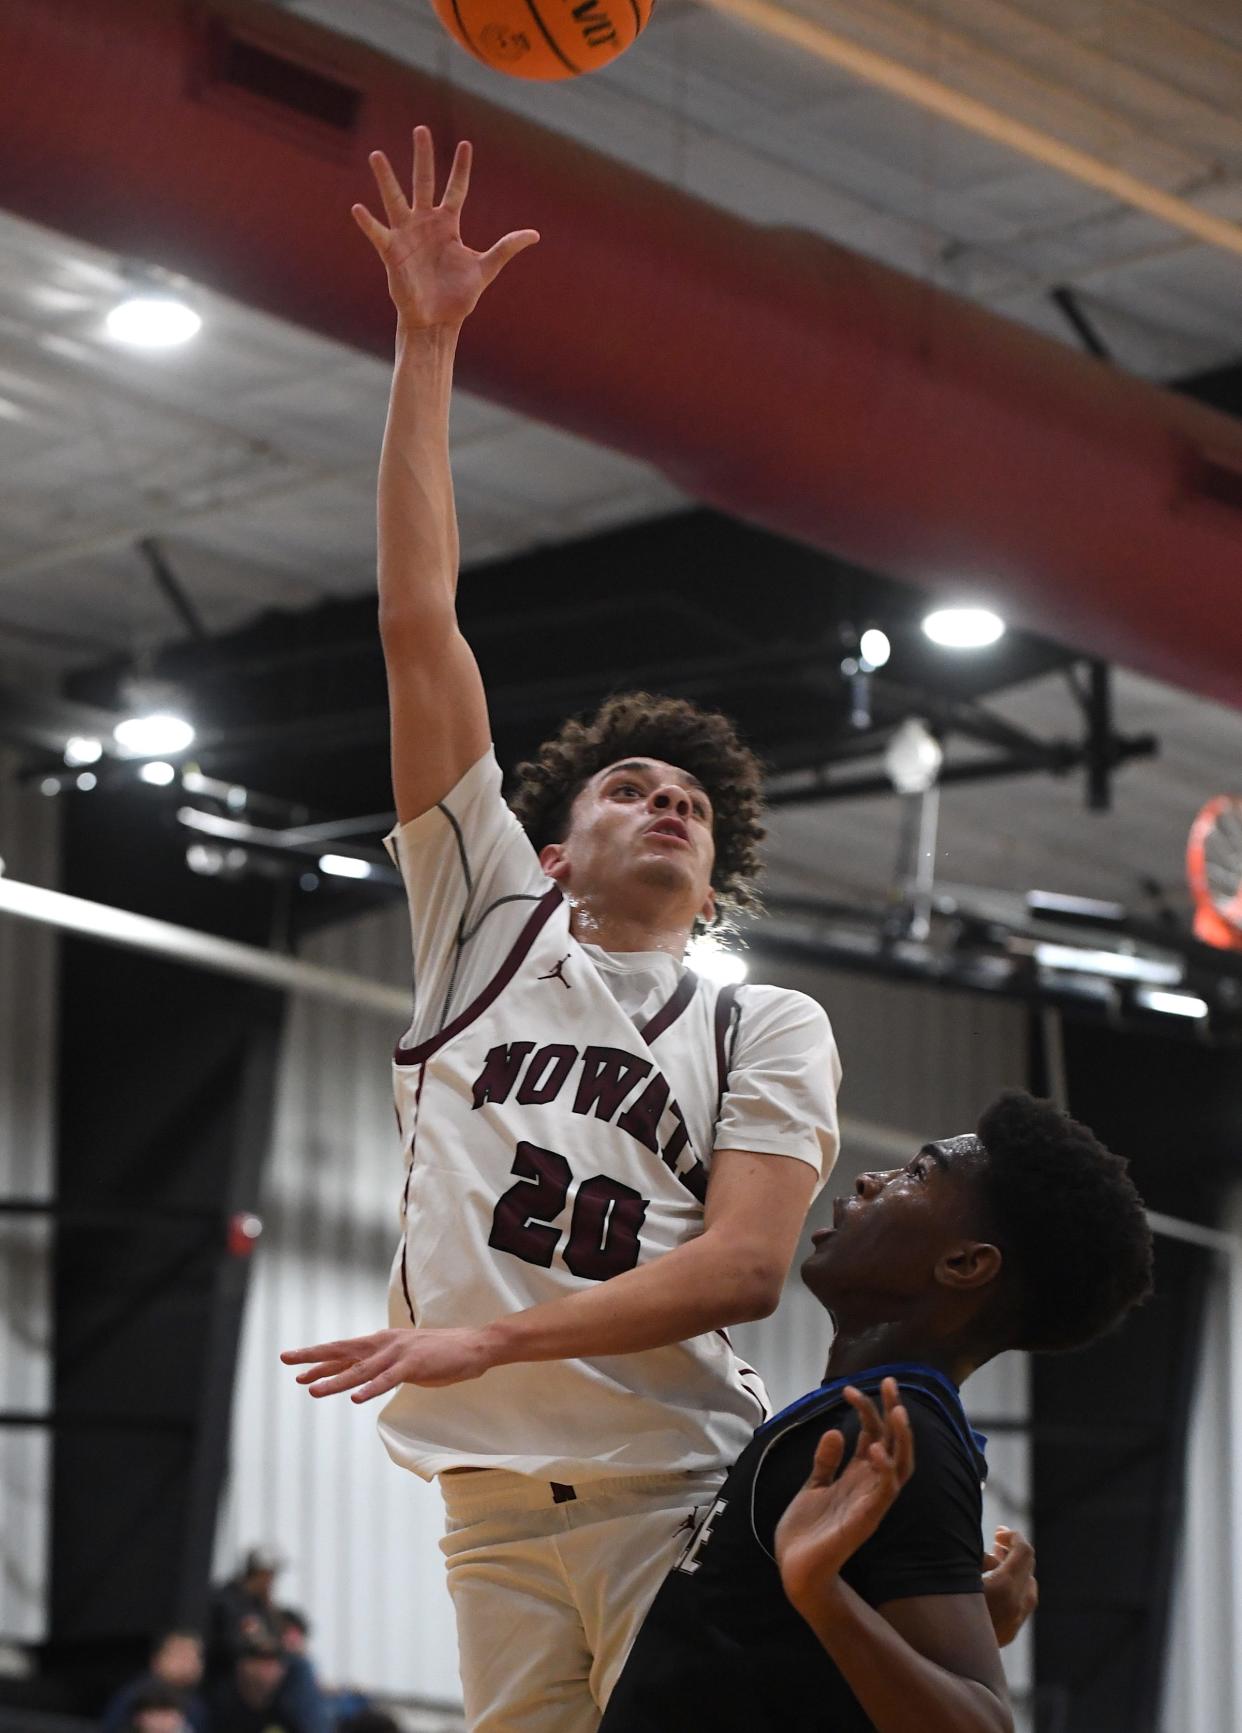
[638,724]
[1069,1221]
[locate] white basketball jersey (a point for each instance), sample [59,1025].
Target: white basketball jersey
[552,1143]
[554,1139]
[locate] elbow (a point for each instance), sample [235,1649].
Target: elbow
[759,1286]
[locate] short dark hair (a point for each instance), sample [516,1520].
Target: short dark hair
[1070,1223]
[293,1616]
[638,724]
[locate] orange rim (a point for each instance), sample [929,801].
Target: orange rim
[1219,917]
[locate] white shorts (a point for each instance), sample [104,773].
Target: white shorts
[550,1585]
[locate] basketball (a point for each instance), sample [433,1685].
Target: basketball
[544,39]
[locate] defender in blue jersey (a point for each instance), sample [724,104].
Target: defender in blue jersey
[822,1598]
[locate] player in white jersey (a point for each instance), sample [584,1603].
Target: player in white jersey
[608,1160]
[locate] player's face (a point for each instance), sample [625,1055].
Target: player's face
[641,821]
[887,1239]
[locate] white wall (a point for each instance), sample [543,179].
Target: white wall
[1203,1678]
[28,958]
[312,1477]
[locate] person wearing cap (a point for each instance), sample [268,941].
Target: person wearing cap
[244,1608]
[266,1691]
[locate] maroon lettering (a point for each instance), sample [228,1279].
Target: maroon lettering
[603,1236]
[693,1177]
[538,1197]
[678,1139]
[608,1075]
[500,1071]
[603,1230]
[546,1074]
[642,1120]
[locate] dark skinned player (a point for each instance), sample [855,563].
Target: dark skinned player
[841,1599]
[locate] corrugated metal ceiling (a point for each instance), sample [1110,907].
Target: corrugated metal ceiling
[252,453]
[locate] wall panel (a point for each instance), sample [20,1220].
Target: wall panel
[28,955]
[311,1477]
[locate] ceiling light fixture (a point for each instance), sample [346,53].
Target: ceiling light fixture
[344,866]
[152,319]
[82,749]
[1172,1004]
[874,649]
[913,757]
[157,772]
[1116,965]
[86,781]
[159,735]
[963,628]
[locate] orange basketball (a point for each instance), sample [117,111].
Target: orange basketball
[544,38]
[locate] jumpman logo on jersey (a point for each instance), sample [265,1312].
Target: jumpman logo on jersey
[557,973]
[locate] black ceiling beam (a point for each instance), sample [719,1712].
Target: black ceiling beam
[172,589]
[1055,759]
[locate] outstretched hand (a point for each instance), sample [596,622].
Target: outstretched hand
[433,277]
[1009,1583]
[371,1365]
[837,1510]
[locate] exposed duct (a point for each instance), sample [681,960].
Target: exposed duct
[771,373]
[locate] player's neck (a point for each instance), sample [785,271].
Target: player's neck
[858,1345]
[594,922]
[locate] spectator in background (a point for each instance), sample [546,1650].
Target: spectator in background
[157,1709]
[266,1691]
[242,1610]
[294,1631]
[176,1667]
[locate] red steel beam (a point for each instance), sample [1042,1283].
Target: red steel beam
[769,372]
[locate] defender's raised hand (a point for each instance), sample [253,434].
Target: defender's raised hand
[1009,1583]
[433,277]
[837,1510]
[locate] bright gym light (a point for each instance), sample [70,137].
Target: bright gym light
[714,963]
[155,736]
[874,648]
[152,321]
[913,757]
[157,773]
[963,628]
[1116,965]
[344,866]
[86,781]
[1171,1004]
[82,749]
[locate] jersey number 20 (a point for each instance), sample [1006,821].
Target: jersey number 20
[603,1230]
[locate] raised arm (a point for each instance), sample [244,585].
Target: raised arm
[929,1661]
[729,1273]
[438,709]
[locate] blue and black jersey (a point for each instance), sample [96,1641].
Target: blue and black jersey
[723,1649]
